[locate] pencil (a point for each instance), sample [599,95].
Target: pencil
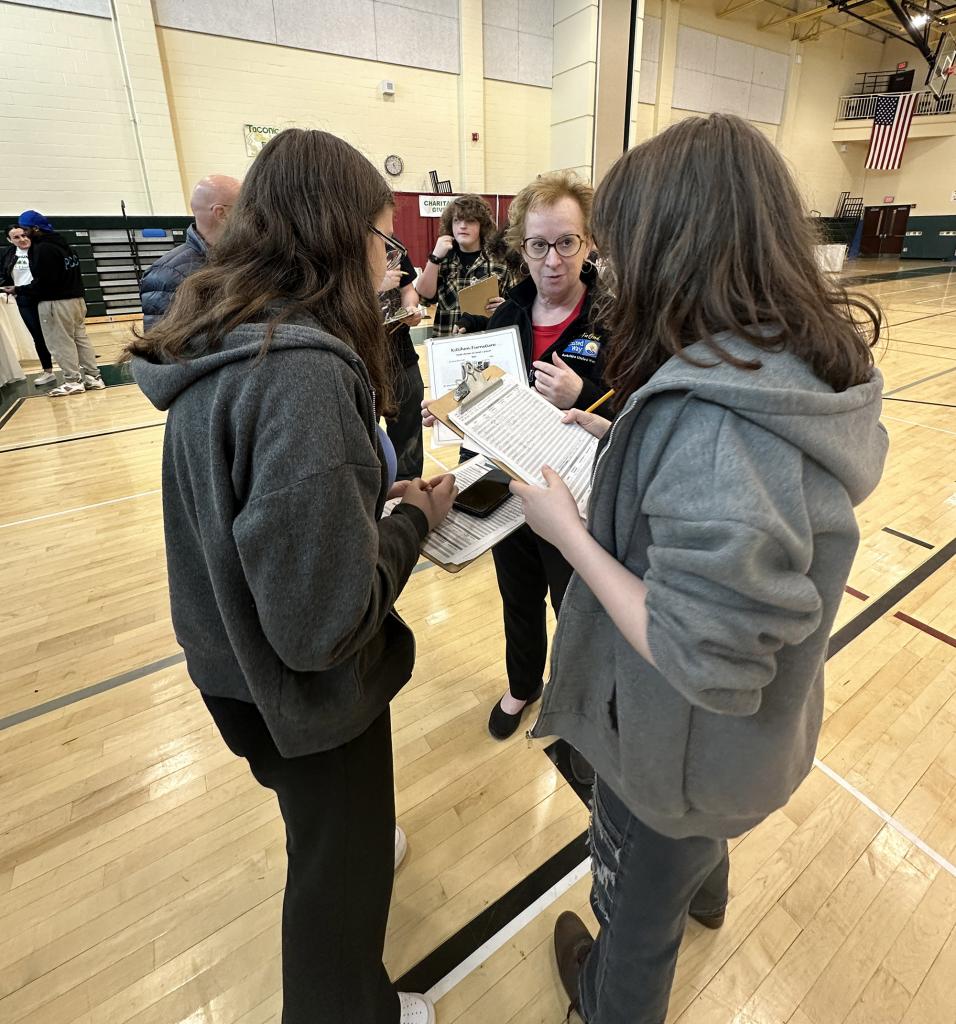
[600,401]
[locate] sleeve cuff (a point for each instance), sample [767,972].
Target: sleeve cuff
[418,518]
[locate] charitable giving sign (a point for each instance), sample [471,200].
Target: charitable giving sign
[433,206]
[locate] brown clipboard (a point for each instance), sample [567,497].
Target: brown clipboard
[475,297]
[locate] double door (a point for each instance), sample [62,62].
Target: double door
[884,230]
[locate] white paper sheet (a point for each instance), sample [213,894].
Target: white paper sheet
[521,429]
[501,347]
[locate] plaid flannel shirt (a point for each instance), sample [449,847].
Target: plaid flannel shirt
[453,276]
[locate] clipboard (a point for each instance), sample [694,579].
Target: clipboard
[475,297]
[448,403]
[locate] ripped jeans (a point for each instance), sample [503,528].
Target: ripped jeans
[643,886]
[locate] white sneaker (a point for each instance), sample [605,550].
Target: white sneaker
[44,378]
[93,383]
[401,846]
[416,1009]
[70,387]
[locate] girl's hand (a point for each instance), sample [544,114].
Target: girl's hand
[550,511]
[492,304]
[596,426]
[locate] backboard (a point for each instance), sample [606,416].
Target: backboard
[943,68]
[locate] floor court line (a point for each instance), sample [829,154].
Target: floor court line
[894,823]
[489,948]
[437,462]
[80,508]
[28,714]
[913,423]
[79,437]
[916,383]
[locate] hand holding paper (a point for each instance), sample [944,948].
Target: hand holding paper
[550,511]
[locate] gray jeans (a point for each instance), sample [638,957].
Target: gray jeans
[65,336]
[643,886]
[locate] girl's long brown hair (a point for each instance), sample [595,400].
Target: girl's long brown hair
[296,242]
[705,232]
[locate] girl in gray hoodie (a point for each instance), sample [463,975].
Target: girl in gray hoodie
[688,663]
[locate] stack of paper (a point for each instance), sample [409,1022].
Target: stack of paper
[461,538]
[522,430]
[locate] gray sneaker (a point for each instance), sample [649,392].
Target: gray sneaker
[93,383]
[44,379]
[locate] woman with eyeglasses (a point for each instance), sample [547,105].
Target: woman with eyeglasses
[283,575]
[549,225]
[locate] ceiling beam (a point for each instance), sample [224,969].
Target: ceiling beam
[733,8]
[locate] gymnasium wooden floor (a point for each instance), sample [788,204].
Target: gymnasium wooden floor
[141,868]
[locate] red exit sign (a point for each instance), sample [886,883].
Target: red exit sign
[889,199]
[902,66]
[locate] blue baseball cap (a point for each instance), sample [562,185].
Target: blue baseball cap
[32,219]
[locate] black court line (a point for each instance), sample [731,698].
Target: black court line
[842,637]
[9,412]
[922,380]
[919,319]
[895,275]
[906,536]
[454,951]
[90,691]
[916,401]
[80,437]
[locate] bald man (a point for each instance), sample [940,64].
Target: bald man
[212,200]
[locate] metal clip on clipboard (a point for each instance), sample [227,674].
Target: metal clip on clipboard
[473,385]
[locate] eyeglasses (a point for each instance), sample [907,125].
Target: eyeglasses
[395,252]
[538,248]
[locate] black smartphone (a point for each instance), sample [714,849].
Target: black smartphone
[485,495]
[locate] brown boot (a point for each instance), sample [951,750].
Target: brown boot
[712,921]
[572,944]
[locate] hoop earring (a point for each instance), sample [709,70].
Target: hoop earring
[524,268]
[587,267]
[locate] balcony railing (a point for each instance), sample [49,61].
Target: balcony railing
[862,107]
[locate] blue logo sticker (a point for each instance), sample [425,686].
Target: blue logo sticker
[586,348]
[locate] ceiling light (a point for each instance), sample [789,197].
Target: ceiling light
[918,20]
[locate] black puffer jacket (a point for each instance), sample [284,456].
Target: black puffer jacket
[160,282]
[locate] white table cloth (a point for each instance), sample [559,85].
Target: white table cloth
[15,342]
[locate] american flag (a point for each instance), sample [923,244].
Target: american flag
[891,125]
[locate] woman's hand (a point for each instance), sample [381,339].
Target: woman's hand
[550,511]
[428,420]
[415,319]
[434,497]
[596,426]
[492,304]
[559,384]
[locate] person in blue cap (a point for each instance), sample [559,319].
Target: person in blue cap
[58,289]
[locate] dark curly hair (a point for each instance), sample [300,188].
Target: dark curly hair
[468,207]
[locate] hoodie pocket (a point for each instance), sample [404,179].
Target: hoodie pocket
[652,722]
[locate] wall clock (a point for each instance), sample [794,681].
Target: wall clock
[394,165]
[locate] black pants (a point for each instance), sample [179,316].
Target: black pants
[405,431]
[643,886]
[528,568]
[31,317]
[339,814]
